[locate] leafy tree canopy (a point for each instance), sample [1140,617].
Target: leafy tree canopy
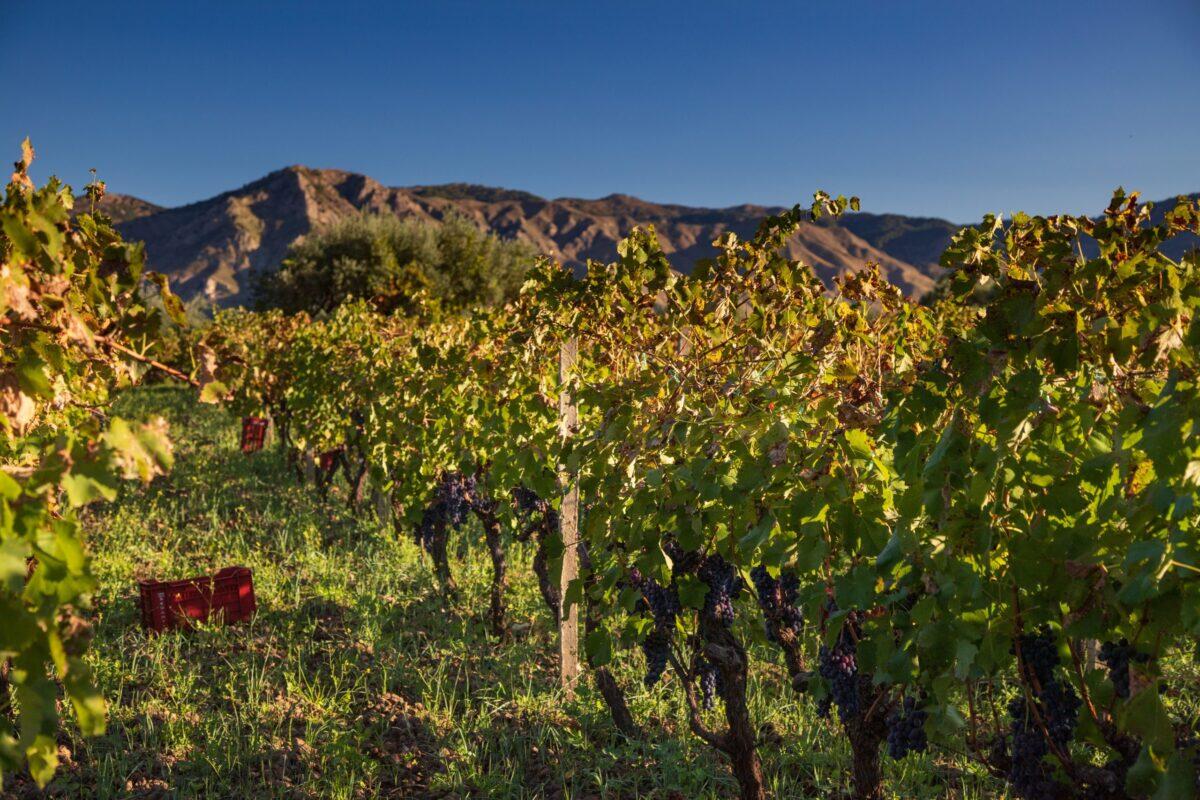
[389,262]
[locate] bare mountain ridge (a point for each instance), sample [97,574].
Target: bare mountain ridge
[118,207]
[212,248]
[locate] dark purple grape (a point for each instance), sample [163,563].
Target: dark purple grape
[536,515]
[433,524]
[839,666]
[711,683]
[777,599]
[1039,653]
[1117,656]
[724,586]
[657,647]
[456,492]
[448,508]
[527,501]
[539,520]
[1055,700]
[1029,775]
[662,602]
[1060,705]
[906,730]
[840,670]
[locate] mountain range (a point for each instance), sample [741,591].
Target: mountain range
[212,248]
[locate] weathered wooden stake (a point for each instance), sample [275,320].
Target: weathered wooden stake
[568,624]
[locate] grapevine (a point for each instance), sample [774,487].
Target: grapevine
[1007,468]
[75,328]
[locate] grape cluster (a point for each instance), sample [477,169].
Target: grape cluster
[906,730]
[537,515]
[1061,710]
[528,502]
[683,562]
[433,522]
[839,667]
[1117,656]
[1028,774]
[724,586]
[1051,697]
[777,599]
[711,683]
[662,602]
[657,647]
[539,520]
[457,492]
[449,507]
[1039,653]
[1059,703]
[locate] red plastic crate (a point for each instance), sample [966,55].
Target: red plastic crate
[327,459]
[254,433]
[228,596]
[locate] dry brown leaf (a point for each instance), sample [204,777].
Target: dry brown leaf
[16,406]
[20,174]
[18,297]
[207,359]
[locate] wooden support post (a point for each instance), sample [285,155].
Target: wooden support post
[568,624]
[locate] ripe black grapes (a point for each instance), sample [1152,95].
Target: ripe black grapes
[657,647]
[528,502]
[724,586]
[777,599]
[1039,653]
[1055,701]
[661,601]
[1117,656]
[1057,698]
[539,520]
[839,667]
[457,492]
[1029,776]
[448,507]
[433,522]
[1061,710]
[711,683]
[536,513]
[906,730]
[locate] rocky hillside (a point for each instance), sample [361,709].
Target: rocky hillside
[119,207]
[211,248]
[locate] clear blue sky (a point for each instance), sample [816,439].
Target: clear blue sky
[944,108]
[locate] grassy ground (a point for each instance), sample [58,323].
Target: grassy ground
[354,681]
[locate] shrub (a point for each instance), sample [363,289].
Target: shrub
[389,262]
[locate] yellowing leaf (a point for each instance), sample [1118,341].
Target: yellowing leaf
[213,392]
[17,408]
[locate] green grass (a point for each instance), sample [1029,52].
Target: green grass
[355,681]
